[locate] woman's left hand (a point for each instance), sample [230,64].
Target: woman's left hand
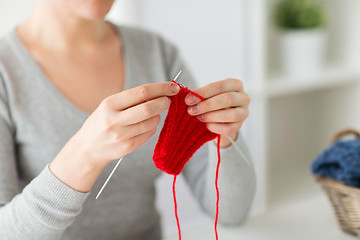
[224,109]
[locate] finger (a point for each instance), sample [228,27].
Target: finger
[224,100]
[143,127]
[139,140]
[224,128]
[141,94]
[144,111]
[230,115]
[213,89]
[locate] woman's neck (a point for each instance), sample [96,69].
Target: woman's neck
[52,28]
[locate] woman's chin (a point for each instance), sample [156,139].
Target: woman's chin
[94,10]
[94,15]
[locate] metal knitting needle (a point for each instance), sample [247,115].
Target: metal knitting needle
[107,180]
[238,149]
[117,164]
[177,75]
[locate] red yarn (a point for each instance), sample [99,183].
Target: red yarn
[182,135]
[217,187]
[175,206]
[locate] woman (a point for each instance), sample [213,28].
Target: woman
[77,92]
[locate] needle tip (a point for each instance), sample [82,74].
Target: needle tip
[177,75]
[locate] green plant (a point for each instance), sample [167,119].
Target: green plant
[299,14]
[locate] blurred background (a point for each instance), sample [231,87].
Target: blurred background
[300,63]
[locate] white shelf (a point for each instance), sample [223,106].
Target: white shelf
[307,219]
[331,77]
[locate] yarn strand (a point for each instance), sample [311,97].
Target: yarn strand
[217,187]
[172,159]
[175,206]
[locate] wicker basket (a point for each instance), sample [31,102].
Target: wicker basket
[345,200]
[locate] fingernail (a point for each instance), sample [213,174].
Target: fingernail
[193,109]
[190,99]
[174,88]
[200,117]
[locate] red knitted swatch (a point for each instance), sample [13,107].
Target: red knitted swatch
[181,136]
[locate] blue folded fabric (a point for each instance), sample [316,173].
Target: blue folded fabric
[341,161]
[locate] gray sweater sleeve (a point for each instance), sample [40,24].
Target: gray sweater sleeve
[46,206]
[237,181]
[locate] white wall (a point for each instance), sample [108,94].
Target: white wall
[208,32]
[344,32]
[13,12]
[125,12]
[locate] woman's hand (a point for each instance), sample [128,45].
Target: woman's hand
[125,121]
[121,124]
[224,110]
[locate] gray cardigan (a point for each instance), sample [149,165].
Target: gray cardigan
[36,120]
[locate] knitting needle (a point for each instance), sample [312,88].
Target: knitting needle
[177,75]
[117,164]
[238,149]
[107,180]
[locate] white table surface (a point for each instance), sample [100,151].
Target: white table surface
[310,219]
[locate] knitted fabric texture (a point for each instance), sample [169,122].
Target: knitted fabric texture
[341,161]
[180,137]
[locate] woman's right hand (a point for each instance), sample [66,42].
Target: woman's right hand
[125,121]
[121,124]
